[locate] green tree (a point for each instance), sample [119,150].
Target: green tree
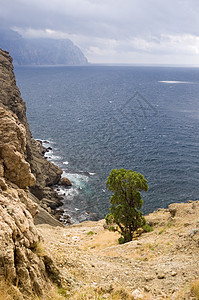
[126,202]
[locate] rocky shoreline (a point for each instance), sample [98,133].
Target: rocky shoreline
[46,173]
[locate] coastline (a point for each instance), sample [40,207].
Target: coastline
[85,259]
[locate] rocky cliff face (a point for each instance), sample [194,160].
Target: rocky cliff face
[13,165]
[21,166]
[26,270]
[40,51]
[46,173]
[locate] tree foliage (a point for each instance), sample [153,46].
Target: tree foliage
[126,202]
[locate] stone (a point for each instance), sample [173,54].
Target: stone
[65,181]
[1,169]
[138,294]
[147,288]
[173,210]
[3,184]
[173,273]
[161,275]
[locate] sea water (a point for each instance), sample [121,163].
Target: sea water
[97,118]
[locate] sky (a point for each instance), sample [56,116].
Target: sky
[113,31]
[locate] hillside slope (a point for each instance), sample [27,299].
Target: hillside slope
[162,264]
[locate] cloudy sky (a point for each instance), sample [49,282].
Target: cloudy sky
[113,31]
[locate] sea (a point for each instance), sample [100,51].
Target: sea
[97,118]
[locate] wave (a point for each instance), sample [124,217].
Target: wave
[175,82]
[78,180]
[51,157]
[47,142]
[92,173]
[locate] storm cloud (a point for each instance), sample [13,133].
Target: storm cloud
[113,31]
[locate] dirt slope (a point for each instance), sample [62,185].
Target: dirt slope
[161,264]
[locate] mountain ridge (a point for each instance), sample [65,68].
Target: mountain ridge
[40,51]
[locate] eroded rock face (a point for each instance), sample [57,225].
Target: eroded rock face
[22,262]
[12,151]
[46,173]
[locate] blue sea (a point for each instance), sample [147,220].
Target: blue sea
[97,118]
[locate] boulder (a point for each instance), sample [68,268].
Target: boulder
[65,181]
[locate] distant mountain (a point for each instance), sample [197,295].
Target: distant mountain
[40,51]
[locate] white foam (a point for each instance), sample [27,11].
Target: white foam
[46,142]
[52,157]
[174,82]
[69,193]
[92,174]
[77,180]
[65,162]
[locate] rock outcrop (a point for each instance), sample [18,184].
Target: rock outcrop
[46,173]
[65,181]
[24,266]
[22,263]
[13,165]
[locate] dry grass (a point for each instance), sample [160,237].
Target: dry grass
[98,294]
[102,240]
[10,292]
[195,288]
[118,293]
[40,249]
[190,291]
[4,289]
[55,294]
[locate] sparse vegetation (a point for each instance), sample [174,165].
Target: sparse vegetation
[195,288]
[147,228]
[117,293]
[5,293]
[39,249]
[168,225]
[90,233]
[10,292]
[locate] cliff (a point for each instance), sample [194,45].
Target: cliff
[46,174]
[23,269]
[40,51]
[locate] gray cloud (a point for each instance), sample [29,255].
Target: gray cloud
[105,28]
